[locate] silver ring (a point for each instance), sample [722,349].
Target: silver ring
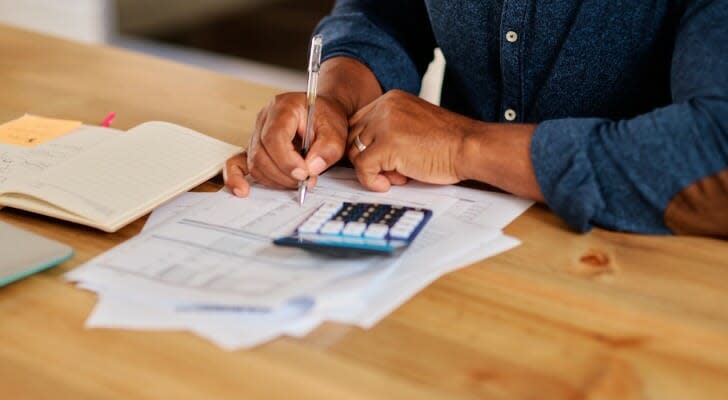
[359,145]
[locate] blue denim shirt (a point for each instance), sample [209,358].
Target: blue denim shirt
[630,97]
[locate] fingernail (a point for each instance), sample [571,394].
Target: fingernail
[299,174]
[317,166]
[238,192]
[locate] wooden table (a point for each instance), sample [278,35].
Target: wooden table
[564,316]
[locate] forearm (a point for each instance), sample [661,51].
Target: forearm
[498,154]
[349,82]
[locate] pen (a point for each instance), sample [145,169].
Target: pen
[314,65]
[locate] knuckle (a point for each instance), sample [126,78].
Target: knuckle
[252,149]
[260,116]
[266,137]
[395,94]
[258,176]
[286,99]
[280,98]
[334,146]
[253,162]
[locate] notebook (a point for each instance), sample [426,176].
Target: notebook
[25,253]
[105,178]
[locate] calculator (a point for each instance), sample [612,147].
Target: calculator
[353,229]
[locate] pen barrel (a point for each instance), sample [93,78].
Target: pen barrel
[314,66]
[308,136]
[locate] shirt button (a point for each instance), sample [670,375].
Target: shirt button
[511,36]
[510,115]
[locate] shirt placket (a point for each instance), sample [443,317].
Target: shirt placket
[511,39]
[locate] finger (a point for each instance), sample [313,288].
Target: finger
[358,124]
[362,112]
[263,168]
[234,172]
[395,178]
[254,142]
[363,128]
[261,117]
[366,136]
[328,146]
[277,136]
[370,169]
[257,155]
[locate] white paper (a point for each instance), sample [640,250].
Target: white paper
[214,249]
[222,253]
[175,207]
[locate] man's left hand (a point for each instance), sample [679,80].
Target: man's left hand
[406,137]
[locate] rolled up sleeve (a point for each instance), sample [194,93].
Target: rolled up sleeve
[623,174]
[392,38]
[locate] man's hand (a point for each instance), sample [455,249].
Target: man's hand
[273,155]
[406,137]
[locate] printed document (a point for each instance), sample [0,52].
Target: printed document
[207,262]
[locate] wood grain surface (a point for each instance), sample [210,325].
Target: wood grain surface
[601,315]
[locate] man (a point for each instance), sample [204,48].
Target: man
[614,113]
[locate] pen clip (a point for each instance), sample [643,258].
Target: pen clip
[314,61]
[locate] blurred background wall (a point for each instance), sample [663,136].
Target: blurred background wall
[84,20]
[260,40]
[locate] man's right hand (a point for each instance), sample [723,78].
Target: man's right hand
[273,154]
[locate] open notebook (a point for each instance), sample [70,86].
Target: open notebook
[107,178]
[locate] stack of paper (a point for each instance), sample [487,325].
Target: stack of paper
[206,263]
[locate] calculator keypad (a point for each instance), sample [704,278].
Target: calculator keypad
[358,227]
[363,219]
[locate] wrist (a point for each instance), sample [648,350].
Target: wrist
[472,161]
[499,155]
[349,82]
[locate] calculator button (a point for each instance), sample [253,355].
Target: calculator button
[329,208]
[332,227]
[407,222]
[317,219]
[404,224]
[376,231]
[400,232]
[322,214]
[308,228]
[354,229]
[413,215]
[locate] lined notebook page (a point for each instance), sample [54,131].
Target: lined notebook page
[18,163]
[126,177]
